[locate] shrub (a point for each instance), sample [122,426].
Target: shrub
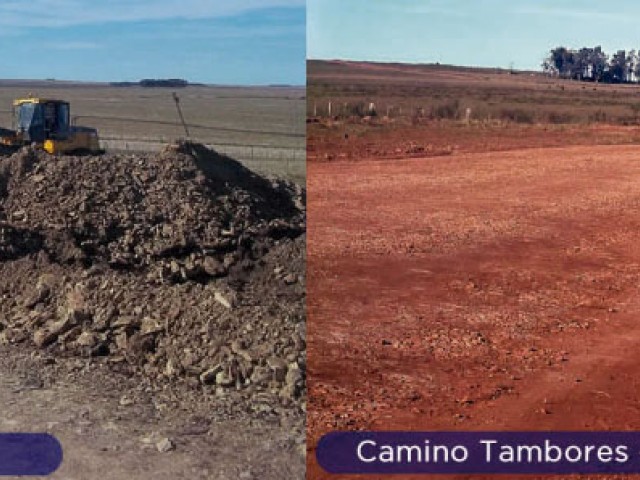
[517,115]
[598,116]
[560,117]
[448,111]
[359,109]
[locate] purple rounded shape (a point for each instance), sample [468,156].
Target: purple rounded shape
[507,453]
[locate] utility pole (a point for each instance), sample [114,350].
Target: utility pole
[184,124]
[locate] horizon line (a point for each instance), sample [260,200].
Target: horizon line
[135,83]
[421,63]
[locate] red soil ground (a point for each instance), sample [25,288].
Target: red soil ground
[475,291]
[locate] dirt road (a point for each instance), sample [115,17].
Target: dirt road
[105,436]
[477,291]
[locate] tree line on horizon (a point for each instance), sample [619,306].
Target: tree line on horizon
[593,65]
[154,82]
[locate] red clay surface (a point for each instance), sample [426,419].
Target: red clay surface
[475,291]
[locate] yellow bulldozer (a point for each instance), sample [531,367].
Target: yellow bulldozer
[47,124]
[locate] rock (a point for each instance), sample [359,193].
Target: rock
[87,339]
[294,375]
[171,369]
[39,295]
[175,267]
[46,280]
[43,337]
[76,301]
[138,346]
[50,333]
[76,316]
[121,341]
[165,445]
[19,215]
[123,323]
[213,267]
[246,355]
[192,270]
[261,375]
[224,379]
[222,300]
[279,368]
[288,392]
[150,326]
[236,346]
[209,377]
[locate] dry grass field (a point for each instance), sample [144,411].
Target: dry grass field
[231,118]
[446,92]
[427,111]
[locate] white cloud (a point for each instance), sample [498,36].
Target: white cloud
[57,13]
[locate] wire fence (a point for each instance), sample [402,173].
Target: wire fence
[265,158]
[289,162]
[212,128]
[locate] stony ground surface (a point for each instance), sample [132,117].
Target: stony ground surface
[479,291]
[183,271]
[109,434]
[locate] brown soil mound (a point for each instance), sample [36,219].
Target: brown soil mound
[182,267]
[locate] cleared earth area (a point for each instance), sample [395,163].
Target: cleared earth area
[152,313]
[484,291]
[473,259]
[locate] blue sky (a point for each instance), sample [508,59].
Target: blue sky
[496,33]
[247,42]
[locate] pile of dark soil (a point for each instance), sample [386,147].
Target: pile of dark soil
[182,267]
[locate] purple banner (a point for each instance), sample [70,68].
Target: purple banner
[479,452]
[29,454]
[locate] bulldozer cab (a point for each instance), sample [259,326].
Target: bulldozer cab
[37,120]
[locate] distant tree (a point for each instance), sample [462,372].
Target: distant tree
[582,64]
[618,67]
[593,64]
[549,67]
[636,67]
[632,66]
[599,62]
[563,60]
[170,82]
